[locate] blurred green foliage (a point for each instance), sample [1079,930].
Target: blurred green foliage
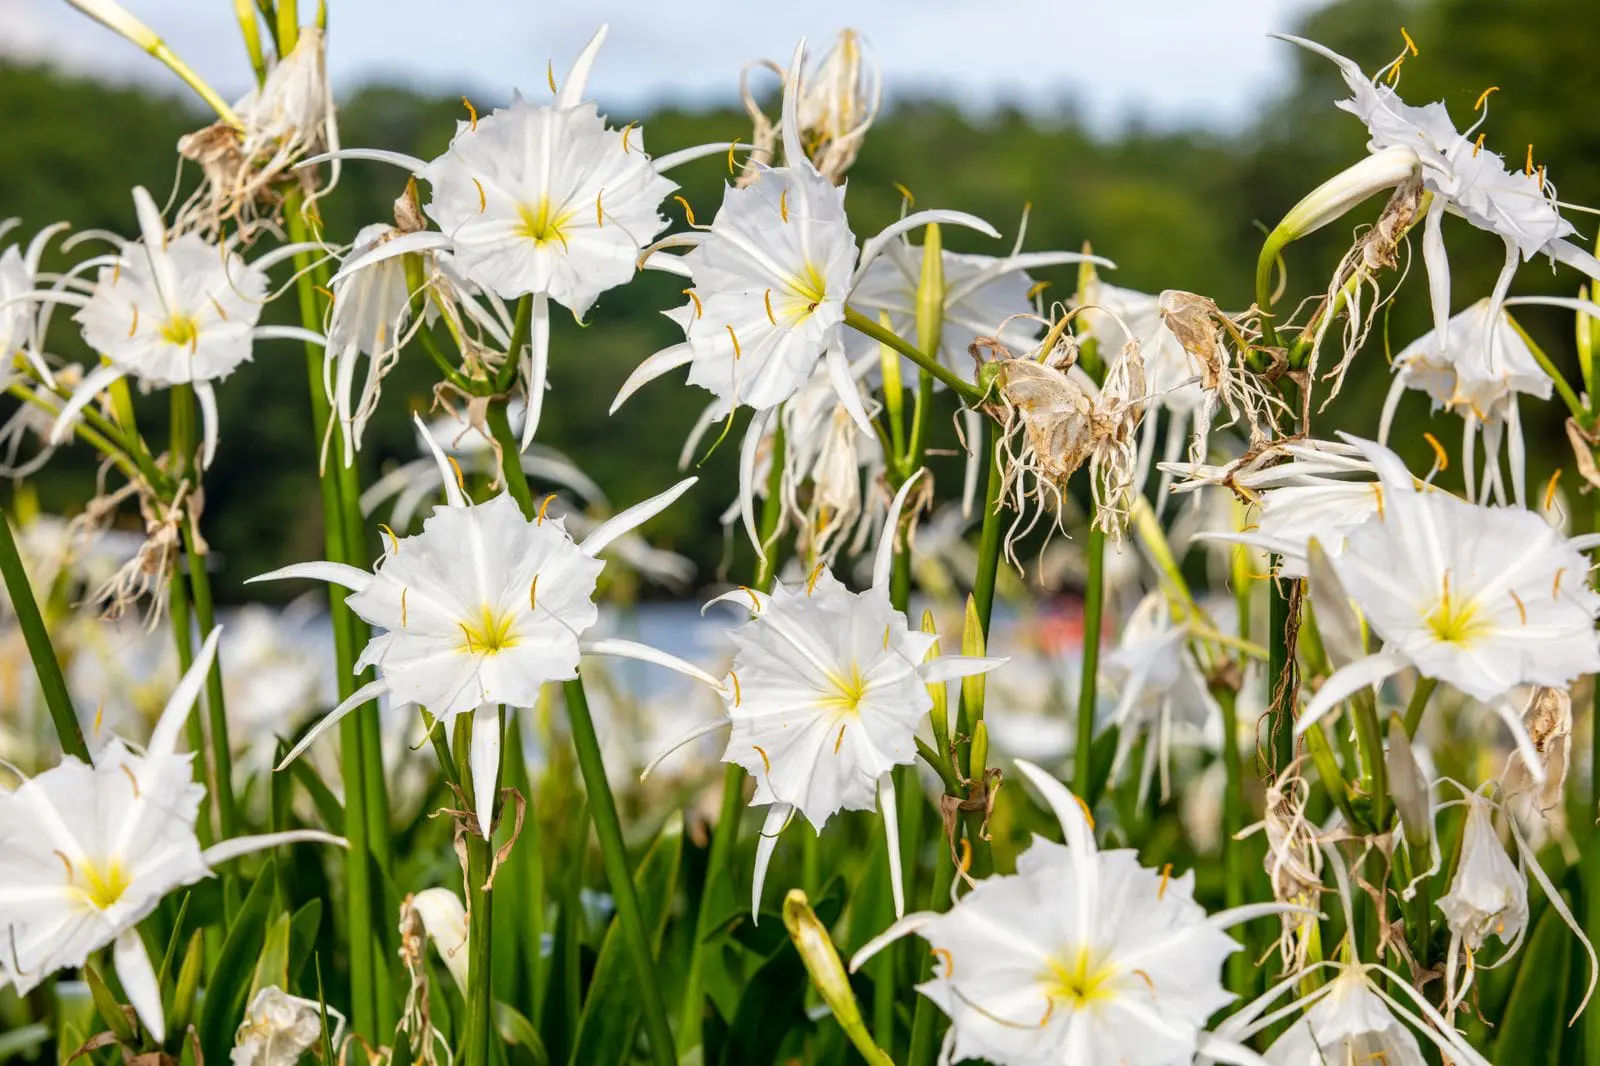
[1174,208]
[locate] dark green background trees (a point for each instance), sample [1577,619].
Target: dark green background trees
[1174,209]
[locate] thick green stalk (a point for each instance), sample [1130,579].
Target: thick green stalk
[862,324]
[194,726]
[510,457]
[1088,677]
[1592,911]
[989,536]
[182,454]
[476,1045]
[40,650]
[724,838]
[1240,967]
[608,828]
[364,954]
[216,709]
[1418,704]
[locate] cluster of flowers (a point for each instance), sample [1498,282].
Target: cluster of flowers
[1082,955]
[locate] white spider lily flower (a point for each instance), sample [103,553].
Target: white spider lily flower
[370,311]
[541,200]
[481,609]
[1488,895]
[1484,598]
[1476,367]
[21,331]
[1354,1018]
[1519,207]
[171,309]
[1161,692]
[1081,956]
[985,296]
[1302,489]
[278,1028]
[769,281]
[825,695]
[444,919]
[87,851]
[1351,1023]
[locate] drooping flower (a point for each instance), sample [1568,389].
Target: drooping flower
[825,695]
[769,282]
[88,850]
[481,609]
[1161,693]
[1484,598]
[172,309]
[1519,207]
[368,318]
[546,201]
[278,1028]
[1081,956]
[1477,368]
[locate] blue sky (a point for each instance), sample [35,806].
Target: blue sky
[1168,61]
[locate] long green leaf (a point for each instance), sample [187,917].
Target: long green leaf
[612,1010]
[230,979]
[1535,1016]
[43,653]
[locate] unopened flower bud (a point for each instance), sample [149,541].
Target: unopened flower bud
[821,960]
[1343,191]
[1409,789]
[838,101]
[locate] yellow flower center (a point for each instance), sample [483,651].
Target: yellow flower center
[181,330]
[1453,621]
[490,633]
[806,290]
[103,883]
[846,691]
[1080,983]
[540,224]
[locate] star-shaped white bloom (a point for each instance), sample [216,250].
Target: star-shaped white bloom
[479,610]
[87,851]
[826,692]
[172,309]
[540,200]
[1081,956]
[769,281]
[1484,598]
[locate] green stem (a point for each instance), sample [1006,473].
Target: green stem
[364,954]
[475,1048]
[40,650]
[608,828]
[1240,965]
[510,457]
[1418,704]
[989,536]
[925,1018]
[521,327]
[725,836]
[216,709]
[1270,250]
[862,324]
[1584,416]
[1093,606]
